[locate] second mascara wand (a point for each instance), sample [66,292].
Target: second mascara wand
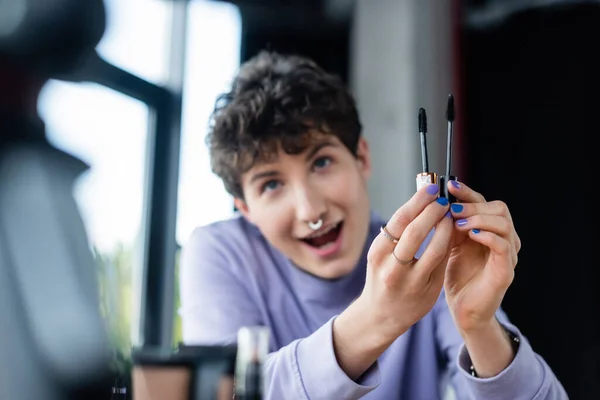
[447,177]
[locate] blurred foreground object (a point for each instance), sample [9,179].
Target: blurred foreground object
[203,372]
[50,37]
[253,348]
[190,373]
[53,341]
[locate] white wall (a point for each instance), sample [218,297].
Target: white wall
[401,61]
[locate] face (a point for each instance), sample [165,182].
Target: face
[325,182]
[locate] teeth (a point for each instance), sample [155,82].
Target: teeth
[322,232]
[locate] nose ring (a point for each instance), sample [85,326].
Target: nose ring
[315,225]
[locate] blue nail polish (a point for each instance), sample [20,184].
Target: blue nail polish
[456,208]
[461,222]
[476,231]
[455,184]
[442,201]
[449,214]
[432,189]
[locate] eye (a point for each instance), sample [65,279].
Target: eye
[270,186]
[322,162]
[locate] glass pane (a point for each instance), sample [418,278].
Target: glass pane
[108,131]
[137,37]
[213,57]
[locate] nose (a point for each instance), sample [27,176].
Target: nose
[310,204]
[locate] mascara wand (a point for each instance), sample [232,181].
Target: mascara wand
[448,175]
[424,178]
[423,133]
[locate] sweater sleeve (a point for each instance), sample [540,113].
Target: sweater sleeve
[215,303]
[528,377]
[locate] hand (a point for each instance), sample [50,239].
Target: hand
[398,293]
[482,261]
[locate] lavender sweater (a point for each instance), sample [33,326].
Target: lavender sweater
[231,277]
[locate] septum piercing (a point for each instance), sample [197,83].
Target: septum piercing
[315,225]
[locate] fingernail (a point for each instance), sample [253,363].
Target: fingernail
[456,208]
[476,231]
[449,214]
[455,184]
[442,201]
[432,189]
[461,222]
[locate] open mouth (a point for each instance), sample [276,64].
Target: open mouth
[327,236]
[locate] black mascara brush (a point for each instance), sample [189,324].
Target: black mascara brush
[423,134]
[448,175]
[424,178]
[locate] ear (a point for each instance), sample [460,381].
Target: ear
[363,157]
[242,207]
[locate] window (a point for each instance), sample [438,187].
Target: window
[137,37]
[213,57]
[109,131]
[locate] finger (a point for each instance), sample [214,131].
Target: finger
[499,246]
[499,225]
[465,210]
[416,232]
[502,272]
[409,211]
[464,193]
[436,278]
[437,251]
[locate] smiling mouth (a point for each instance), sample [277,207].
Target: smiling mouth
[325,236]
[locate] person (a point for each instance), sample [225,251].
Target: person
[352,313]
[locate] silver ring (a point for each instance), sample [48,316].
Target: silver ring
[387,235]
[315,225]
[402,262]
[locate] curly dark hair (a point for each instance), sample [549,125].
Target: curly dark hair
[277,101]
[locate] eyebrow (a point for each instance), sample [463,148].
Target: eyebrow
[311,153]
[261,175]
[315,149]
